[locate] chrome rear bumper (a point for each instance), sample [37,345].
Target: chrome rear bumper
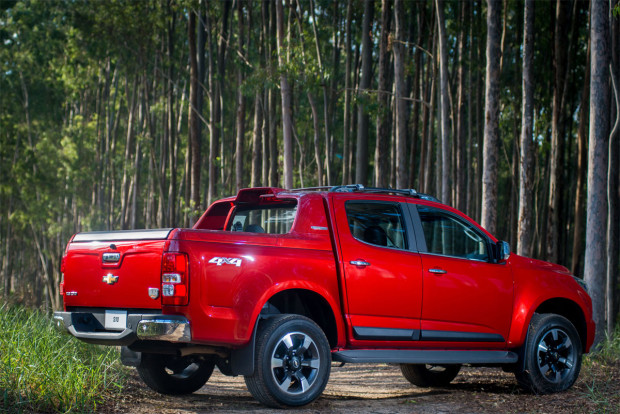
[89,327]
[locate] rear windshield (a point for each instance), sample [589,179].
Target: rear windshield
[270,219]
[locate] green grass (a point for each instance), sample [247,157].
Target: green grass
[42,370]
[601,370]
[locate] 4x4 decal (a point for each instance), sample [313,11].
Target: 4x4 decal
[226,260]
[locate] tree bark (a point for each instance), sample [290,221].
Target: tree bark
[557,129]
[613,189]
[382,149]
[595,260]
[346,166]
[524,243]
[285,91]
[400,102]
[361,151]
[582,166]
[239,148]
[193,118]
[445,105]
[460,142]
[491,119]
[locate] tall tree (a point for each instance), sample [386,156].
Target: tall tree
[459,138]
[557,126]
[400,88]
[239,164]
[444,104]
[382,149]
[361,150]
[346,166]
[286,93]
[491,118]
[524,243]
[582,168]
[193,115]
[595,261]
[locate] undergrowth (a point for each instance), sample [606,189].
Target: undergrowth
[42,370]
[601,374]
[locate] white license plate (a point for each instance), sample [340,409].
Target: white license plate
[115,319]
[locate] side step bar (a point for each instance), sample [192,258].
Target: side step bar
[406,356]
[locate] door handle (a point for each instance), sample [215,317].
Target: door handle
[437,271]
[359,263]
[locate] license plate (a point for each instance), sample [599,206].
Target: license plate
[115,319]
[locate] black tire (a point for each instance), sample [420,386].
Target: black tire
[292,362]
[426,376]
[552,355]
[168,374]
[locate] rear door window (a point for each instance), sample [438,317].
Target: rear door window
[377,223]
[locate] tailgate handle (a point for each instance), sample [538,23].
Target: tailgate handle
[111,257]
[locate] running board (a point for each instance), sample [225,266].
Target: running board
[406,356]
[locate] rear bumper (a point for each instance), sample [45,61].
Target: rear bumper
[89,327]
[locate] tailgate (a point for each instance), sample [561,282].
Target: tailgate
[114,269]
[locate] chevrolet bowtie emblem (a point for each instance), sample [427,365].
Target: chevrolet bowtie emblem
[110,279]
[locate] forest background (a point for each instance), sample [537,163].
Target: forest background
[126,114]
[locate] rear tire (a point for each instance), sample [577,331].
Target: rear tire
[292,362]
[426,376]
[168,374]
[552,357]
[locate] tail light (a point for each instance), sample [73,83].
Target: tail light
[174,279]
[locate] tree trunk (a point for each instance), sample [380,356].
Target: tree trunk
[460,144]
[361,150]
[445,105]
[239,150]
[400,95]
[524,243]
[557,130]
[613,235]
[346,166]
[582,166]
[285,91]
[491,119]
[595,260]
[193,116]
[613,217]
[382,149]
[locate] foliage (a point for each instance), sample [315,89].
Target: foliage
[600,373]
[42,370]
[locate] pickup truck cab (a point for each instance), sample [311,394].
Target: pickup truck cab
[276,284]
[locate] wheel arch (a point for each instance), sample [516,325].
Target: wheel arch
[293,300]
[307,303]
[571,311]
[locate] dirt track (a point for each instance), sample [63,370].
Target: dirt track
[382,389]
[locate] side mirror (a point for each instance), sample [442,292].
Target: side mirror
[504,250]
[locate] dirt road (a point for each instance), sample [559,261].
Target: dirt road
[382,389]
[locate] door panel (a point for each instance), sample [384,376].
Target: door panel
[383,279]
[463,290]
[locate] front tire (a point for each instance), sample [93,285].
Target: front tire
[292,362]
[552,357]
[168,374]
[426,376]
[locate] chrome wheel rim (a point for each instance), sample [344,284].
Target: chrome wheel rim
[556,356]
[295,363]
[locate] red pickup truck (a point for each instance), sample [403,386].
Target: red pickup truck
[276,284]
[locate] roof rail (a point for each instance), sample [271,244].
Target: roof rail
[320,188]
[351,188]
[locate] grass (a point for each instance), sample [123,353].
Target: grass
[601,375]
[42,370]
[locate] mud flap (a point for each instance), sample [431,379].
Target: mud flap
[130,358]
